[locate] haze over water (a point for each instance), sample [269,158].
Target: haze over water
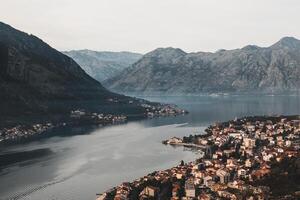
[86,161]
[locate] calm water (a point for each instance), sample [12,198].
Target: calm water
[89,161]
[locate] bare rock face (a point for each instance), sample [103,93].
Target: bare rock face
[35,78]
[275,69]
[103,65]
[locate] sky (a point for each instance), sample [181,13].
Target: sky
[144,25]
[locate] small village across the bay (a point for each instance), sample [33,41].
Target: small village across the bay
[80,117]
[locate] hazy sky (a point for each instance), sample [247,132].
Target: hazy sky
[143,25]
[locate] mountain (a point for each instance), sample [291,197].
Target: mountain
[36,79]
[274,69]
[103,65]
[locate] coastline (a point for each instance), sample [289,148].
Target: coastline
[227,171]
[79,118]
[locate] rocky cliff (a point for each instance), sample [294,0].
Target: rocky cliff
[274,69]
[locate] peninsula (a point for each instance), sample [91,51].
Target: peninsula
[247,158]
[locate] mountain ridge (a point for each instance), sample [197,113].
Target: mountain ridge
[273,69]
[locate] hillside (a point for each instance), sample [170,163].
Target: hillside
[274,69]
[36,79]
[103,65]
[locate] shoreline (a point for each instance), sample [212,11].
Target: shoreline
[243,157]
[211,94]
[80,118]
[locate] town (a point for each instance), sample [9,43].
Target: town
[252,158]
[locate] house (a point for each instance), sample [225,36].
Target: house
[77,114]
[288,143]
[249,142]
[296,123]
[208,163]
[199,166]
[235,135]
[223,175]
[229,152]
[231,163]
[250,128]
[101,196]
[202,141]
[248,163]
[174,140]
[267,157]
[121,196]
[190,190]
[204,196]
[175,190]
[280,150]
[207,181]
[149,191]
[179,176]
[263,136]
[199,174]
[219,153]
[227,195]
[242,173]
[198,181]
[215,156]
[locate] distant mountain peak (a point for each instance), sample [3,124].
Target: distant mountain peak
[102,65]
[289,39]
[290,42]
[169,52]
[251,47]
